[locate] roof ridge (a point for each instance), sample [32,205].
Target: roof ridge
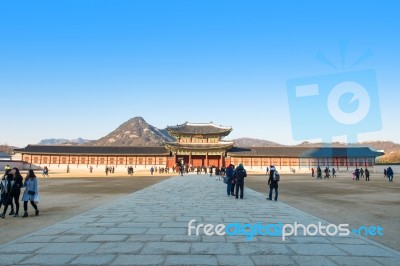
[207,124]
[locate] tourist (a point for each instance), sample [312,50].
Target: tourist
[211,170]
[233,187]
[239,174]
[326,171]
[229,174]
[267,170]
[5,187]
[152,170]
[384,172]
[366,174]
[357,173]
[15,190]
[45,171]
[91,169]
[181,169]
[333,172]
[67,169]
[273,182]
[106,170]
[31,193]
[389,173]
[312,172]
[319,172]
[362,172]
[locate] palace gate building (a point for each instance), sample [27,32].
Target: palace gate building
[197,145]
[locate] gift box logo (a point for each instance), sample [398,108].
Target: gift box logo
[340,104]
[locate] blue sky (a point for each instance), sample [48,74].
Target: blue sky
[73,69]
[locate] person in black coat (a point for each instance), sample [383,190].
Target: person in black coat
[16,183]
[389,173]
[239,174]
[273,183]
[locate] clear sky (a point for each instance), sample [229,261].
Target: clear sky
[81,68]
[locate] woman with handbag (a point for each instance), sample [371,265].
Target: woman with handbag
[31,193]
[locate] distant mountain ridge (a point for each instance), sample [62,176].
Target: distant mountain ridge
[251,142]
[63,141]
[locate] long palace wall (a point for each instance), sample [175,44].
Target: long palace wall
[302,165]
[120,163]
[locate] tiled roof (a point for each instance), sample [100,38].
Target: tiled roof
[304,152]
[293,152]
[198,128]
[200,146]
[96,150]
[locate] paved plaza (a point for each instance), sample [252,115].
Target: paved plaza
[150,227]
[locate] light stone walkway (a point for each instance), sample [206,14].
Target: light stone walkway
[151,226]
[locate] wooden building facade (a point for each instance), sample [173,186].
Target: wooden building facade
[199,145]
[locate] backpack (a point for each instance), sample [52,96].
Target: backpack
[276,176]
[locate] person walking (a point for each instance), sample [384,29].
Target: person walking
[239,174]
[389,173]
[357,174]
[31,192]
[312,172]
[229,174]
[233,186]
[273,183]
[5,189]
[319,172]
[15,191]
[366,174]
[152,170]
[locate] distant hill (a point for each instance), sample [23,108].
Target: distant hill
[7,149]
[250,142]
[63,141]
[134,132]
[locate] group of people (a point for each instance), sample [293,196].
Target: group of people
[234,179]
[327,172]
[361,173]
[388,173]
[10,189]
[159,169]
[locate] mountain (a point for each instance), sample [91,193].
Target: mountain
[63,141]
[250,142]
[7,149]
[134,132]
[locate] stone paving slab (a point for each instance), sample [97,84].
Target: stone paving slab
[150,227]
